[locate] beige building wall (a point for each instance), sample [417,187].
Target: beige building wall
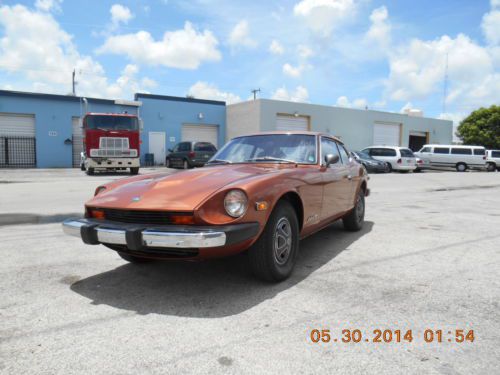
[242,118]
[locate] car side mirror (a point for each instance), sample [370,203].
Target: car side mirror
[331,159]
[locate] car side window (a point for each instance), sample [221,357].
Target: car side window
[176,148]
[375,151]
[461,151]
[479,151]
[441,150]
[328,146]
[185,146]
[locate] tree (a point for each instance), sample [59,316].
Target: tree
[481,128]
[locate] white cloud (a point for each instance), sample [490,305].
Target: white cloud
[343,101]
[276,48]
[48,5]
[293,71]
[304,51]
[380,29]
[240,36]
[495,3]
[491,27]
[417,70]
[323,16]
[300,94]
[127,82]
[40,55]
[205,90]
[120,14]
[184,49]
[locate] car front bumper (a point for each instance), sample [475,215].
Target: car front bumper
[142,238]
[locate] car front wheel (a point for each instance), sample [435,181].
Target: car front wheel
[273,256]
[461,167]
[355,219]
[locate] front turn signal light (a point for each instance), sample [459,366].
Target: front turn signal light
[182,219]
[261,206]
[97,214]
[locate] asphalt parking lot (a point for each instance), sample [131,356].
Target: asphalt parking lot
[428,258]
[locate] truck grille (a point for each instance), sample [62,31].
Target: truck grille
[142,217]
[113,147]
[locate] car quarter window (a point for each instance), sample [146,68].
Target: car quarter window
[479,151]
[344,155]
[495,154]
[461,151]
[328,146]
[441,150]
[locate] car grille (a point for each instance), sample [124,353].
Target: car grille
[142,217]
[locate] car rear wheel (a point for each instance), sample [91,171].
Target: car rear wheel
[355,219]
[273,256]
[491,167]
[461,167]
[389,167]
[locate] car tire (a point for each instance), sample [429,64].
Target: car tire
[134,170]
[273,256]
[389,167]
[461,167]
[491,167]
[355,219]
[82,167]
[185,164]
[90,171]
[167,163]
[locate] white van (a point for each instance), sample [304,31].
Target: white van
[397,158]
[452,156]
[493,160]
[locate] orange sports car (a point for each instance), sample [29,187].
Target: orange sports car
[260,193]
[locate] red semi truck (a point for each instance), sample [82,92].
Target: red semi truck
[111,141]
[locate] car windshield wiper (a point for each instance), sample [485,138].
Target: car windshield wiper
[219,161]
[270,158]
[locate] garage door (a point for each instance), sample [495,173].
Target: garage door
[77,141]
[200,133]
[292,123]
[387,134]
[17,140]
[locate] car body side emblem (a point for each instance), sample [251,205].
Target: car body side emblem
[136,199]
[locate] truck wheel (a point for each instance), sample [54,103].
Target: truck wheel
[134,170]
[273,256]
[82,167]
[491,167]
[354,220]
[90,171]
[461,167]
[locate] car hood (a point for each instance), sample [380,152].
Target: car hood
[180,191]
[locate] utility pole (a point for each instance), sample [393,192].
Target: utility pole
[73,82]
[445,84]
[254,92]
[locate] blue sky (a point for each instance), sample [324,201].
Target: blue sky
[386,55]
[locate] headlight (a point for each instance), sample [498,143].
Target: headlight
[236,203]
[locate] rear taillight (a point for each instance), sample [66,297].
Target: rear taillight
[191,155]
[399,161]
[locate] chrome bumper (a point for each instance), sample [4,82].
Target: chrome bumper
[137,237]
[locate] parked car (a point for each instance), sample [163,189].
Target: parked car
[187,155]
[453,156]
[261,193]
[398,158]
[371,164]
[493,160]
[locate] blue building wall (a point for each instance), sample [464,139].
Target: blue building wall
[168,114]
[54,113]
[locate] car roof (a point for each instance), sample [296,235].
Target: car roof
[395,147]
[454,146]
[292,132]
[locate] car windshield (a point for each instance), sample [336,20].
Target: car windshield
[273,148]
[106,122]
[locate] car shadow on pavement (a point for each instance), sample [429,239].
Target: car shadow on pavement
[209,289]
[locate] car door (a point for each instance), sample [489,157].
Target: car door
[425,155]
[352,178]
[336,185]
